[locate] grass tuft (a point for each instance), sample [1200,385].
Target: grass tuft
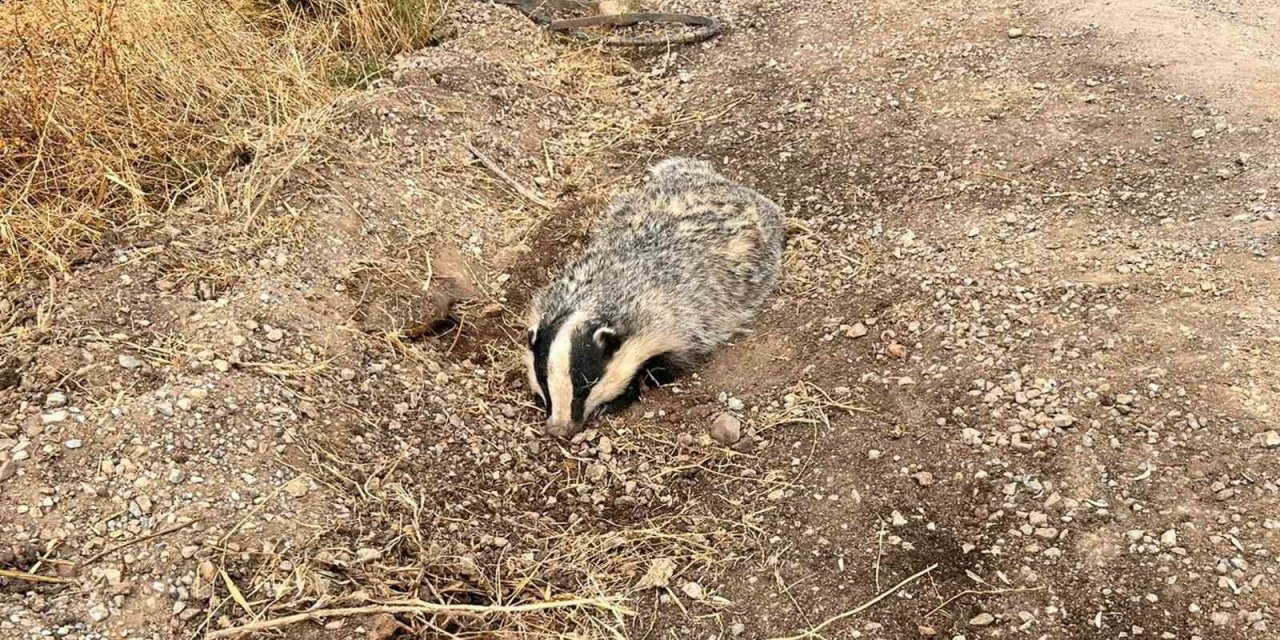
[113,112]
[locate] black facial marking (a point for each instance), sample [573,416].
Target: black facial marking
[588,360]
[540,344]
[658,371]
[655,372]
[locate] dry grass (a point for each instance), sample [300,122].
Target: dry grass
[112,112]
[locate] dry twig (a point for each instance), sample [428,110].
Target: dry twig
[9,574]
[415,606]
[497,171]
[860,608]
[125,545]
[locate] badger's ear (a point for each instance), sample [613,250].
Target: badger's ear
[531,336]
[608,339]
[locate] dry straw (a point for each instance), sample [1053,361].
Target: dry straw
[115,111]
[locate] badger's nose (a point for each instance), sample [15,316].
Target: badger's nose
[562,428]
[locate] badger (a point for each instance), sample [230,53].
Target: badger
[672,271]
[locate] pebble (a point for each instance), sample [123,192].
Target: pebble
[693,590]
[1270,439]
[8,469]
[275,335]
[129,362]
[55,399]
[982,620]
[99,612]
[1015,32]
[54,417]
[856,331]
[222,365]
[735,404]
[297,487]
[176,476]
[924,479]
[1199,133]
[726,429]
[165,409]
[74,443]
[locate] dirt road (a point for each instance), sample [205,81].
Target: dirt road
[1019,379]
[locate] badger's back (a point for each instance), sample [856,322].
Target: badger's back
[691,254]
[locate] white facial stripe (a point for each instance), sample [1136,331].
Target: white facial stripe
[533,375]
[559,373]
[622,368]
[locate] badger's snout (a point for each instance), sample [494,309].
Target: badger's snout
[563,428]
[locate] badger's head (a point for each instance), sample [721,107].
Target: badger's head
[581,365]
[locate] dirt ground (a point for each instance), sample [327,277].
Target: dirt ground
[1017,382]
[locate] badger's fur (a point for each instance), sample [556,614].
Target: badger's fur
[672,271]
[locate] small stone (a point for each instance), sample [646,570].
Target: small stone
[896,350]
[8,469]
[693,590]
[1199,133]
[726,429]
[54,417]
[1270,439]
[347,375]
[611,7]
[1169,538]
[982,620]
[176,476]
[129,362]
[927,632]
[1015,32]
[924,479]
[1063,420]
[165,409]
[297,487]
[222,365]
[99,612]
[74,443]
[736,629]
[735,404]
[596,472]
[275,335]
[856,331]
[897,519]
[55,399]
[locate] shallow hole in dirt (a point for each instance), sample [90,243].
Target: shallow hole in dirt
[443,327]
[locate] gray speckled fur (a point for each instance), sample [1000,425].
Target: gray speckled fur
[690,254]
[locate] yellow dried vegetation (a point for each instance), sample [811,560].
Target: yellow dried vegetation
[113,112]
